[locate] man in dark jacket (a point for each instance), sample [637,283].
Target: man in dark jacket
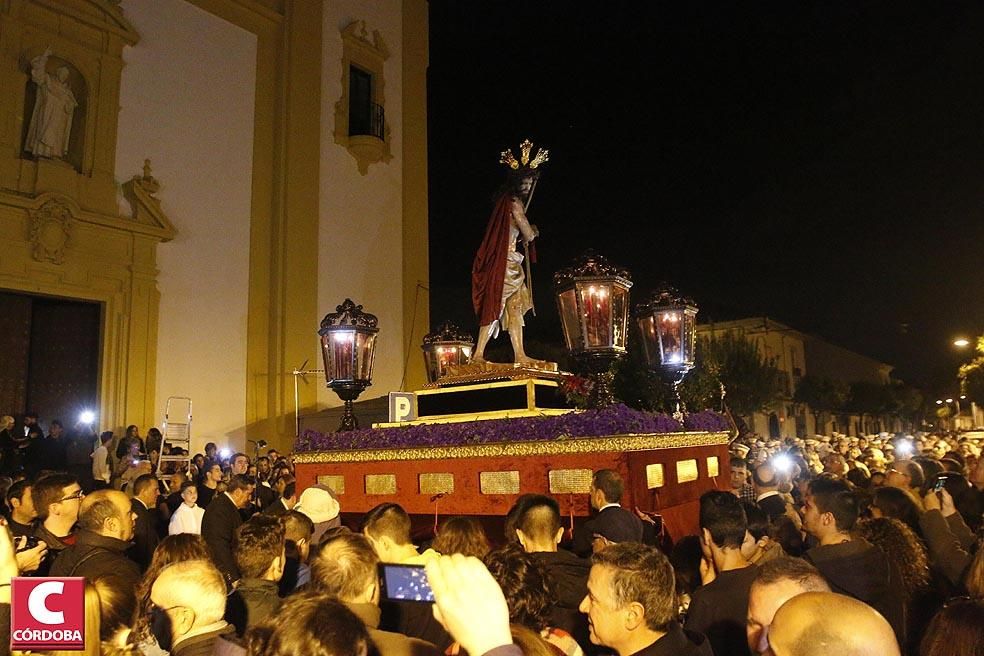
[220,522]
[105,530]
[260,557]
[146,531]
[719,608]
[57,499]
[613,523]
[765,481]
[852,566]
[539,531]
[631,604]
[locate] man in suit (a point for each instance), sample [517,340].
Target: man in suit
[146,533]
[283,504]
[221,521]
[766,482]
[613,523]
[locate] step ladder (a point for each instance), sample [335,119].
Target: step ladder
[176,433]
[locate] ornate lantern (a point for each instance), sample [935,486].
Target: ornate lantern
[593,301]
[445,347]
[668,324]
[348,342]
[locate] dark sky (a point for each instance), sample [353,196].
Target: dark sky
[821,163]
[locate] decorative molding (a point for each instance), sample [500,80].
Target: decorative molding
[619,443]
[370,55]
[103,15]
[139,192]
[51,231]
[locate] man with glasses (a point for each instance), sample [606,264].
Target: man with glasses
[105,529]
[57,498]
[188,602]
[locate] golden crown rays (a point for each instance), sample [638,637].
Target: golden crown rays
[506,157]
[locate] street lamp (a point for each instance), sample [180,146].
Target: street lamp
[593,302]
[445,347]
[348,343]
[668,324]
[961,343]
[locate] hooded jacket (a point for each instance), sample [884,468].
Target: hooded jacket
[94,556]
[861,570]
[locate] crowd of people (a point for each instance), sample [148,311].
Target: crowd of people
[833,545]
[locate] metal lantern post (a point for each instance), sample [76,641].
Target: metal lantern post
[348,342]
[593,301]
[446,347]
[668,324]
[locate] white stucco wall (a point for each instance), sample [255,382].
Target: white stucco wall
[360,234]
[187,101]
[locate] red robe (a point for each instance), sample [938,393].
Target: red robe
[489,266]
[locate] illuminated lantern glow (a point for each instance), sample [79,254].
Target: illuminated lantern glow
[348,344]
[444,348]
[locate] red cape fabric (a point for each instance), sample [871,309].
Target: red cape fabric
[489,266]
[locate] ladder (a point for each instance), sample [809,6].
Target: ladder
[176,434]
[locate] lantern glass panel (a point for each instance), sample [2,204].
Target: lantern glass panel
[690,336]
[363,365]
[650,340]
[339,348]
[620,315]
[597,305]
[671,337]
[570,319]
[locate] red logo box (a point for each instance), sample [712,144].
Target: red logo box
[47,613]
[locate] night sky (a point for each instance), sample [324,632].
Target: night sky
[820,163]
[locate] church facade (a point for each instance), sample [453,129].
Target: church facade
[229,172]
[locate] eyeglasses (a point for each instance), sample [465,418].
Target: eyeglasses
[153,607]
[78,495]
[953,601]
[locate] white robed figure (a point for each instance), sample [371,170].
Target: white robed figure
[54,107]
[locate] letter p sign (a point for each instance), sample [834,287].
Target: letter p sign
[402,407]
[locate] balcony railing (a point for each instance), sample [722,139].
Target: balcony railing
[371,124]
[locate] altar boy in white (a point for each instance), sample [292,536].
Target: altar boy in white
[188,517]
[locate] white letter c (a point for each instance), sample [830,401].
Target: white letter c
[36,602]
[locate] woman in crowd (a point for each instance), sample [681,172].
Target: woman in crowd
[463,535]
[957,630]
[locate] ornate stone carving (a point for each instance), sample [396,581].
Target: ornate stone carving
[139,192]
[51,231]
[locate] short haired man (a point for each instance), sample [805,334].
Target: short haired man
[387,527]
[822,623]
[631,604]
[740,486]
[220,521]
[298,529]
[260,557]
[211,478]
[345,567]
[22,512]
[57,498]
[613,523]
[851,565]
[284,503]
[539,531]
[239,463]
[776,582]
[188,602]
[719,608]
[146,532]
[105,531]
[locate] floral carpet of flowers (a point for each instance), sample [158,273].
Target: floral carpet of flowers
[614,420]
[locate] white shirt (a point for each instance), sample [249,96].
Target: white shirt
[100,467]
[186,520]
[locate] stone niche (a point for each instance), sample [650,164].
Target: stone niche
[60,224]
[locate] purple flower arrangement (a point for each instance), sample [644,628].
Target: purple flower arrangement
[614,420]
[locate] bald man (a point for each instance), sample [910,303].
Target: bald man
[765,481]
[824,623]
[189,600]
[105,528]
[776,582]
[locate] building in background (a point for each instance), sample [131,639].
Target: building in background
[232,170]
[797,354]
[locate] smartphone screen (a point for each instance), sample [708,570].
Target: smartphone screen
[404,583]
[940,484]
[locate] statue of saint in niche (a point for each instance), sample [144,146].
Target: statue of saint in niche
[54,107]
